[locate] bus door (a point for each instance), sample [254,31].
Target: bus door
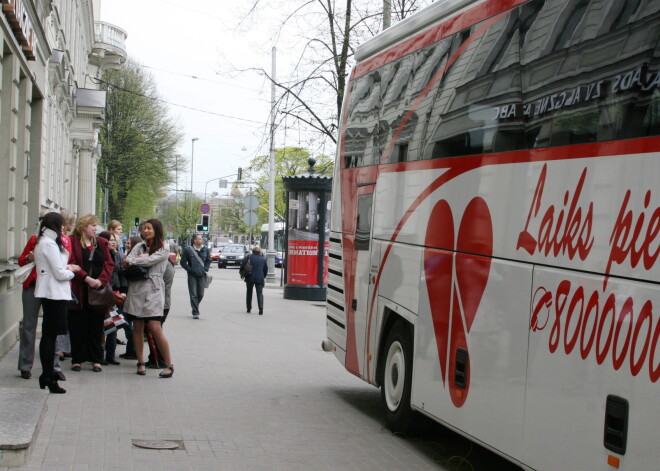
[358,255]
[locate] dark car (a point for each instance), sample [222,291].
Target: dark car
[232,254]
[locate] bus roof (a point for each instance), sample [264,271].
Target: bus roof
[409,26]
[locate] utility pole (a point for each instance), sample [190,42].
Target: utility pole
[387,13]
[270,255]
[192,173]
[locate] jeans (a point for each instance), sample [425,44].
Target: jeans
[260,295]
[196,286]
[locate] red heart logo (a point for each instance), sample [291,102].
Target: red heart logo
[456,283]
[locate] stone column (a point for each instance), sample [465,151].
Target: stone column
[85,148]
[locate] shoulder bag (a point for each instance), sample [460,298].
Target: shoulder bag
[135,272]
[209,278]
[103,296]
[22,273]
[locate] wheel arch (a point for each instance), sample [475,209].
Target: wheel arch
[391,316]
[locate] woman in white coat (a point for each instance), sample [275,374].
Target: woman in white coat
[54,290]
[145,298]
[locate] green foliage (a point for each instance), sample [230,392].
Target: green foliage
[289,161]
[139,141]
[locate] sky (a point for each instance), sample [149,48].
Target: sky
[192,49]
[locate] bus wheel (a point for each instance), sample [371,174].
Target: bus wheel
[397,379]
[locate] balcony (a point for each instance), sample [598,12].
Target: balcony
[109,50]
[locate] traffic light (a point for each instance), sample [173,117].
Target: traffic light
[200,228]
[205,222]
[137,221]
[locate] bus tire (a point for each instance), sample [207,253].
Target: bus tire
[396,382]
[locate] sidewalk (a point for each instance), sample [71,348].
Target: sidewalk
[249,392]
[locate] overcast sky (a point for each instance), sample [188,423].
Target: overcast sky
[177,41]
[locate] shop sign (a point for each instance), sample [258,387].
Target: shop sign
[19,20]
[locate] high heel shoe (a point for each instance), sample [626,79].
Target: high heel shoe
[144,371]
[52,385]
[167,375]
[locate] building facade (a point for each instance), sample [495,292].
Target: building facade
[51,109]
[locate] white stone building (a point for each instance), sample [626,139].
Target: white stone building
[50,114]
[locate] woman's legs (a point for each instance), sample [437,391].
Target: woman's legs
[138,339]
[54,323]
[163,345]
[28,330]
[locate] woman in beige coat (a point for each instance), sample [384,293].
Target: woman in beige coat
[145,298]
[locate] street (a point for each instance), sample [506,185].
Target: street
[249,392]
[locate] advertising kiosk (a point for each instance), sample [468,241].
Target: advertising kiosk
[307,228]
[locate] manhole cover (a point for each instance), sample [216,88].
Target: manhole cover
[156,444]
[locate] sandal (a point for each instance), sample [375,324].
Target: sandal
[167,375]
[96,368]
[76,367]
[141,372]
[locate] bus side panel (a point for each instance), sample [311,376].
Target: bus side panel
[335,308]
[493,400]
[615,328]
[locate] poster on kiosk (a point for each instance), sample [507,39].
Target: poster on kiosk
[303,238]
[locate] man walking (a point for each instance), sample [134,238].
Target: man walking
[196,260]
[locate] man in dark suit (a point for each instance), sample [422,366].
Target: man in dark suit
[196,260]
[256,278]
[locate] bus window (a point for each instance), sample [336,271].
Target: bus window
[363,227]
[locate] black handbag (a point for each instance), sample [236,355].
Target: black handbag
[135,273]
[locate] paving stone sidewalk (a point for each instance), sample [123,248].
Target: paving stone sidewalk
[249,392]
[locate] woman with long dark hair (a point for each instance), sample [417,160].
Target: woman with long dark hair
[85,321]
[54,290]
[145,298]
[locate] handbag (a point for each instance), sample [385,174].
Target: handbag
[209,278]
[135,273]
[114,322]
[101,297]
[22,273]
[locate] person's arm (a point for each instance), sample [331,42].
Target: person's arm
[108,263]
[207,260]
[28,252]
[265,268]
[184,262]
[153,259]
[54,259]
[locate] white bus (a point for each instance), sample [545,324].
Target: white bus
[494,243]
[279,241]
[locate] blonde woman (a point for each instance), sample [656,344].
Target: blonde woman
[92,254]
[116,230]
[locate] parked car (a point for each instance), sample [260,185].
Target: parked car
[215,253]
[233,254]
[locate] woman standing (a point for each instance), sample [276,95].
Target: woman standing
[145,299]
[116,230]
[54,291]
[86,322]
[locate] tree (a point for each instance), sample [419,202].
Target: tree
[313,91]
[289,161]
[139,144]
